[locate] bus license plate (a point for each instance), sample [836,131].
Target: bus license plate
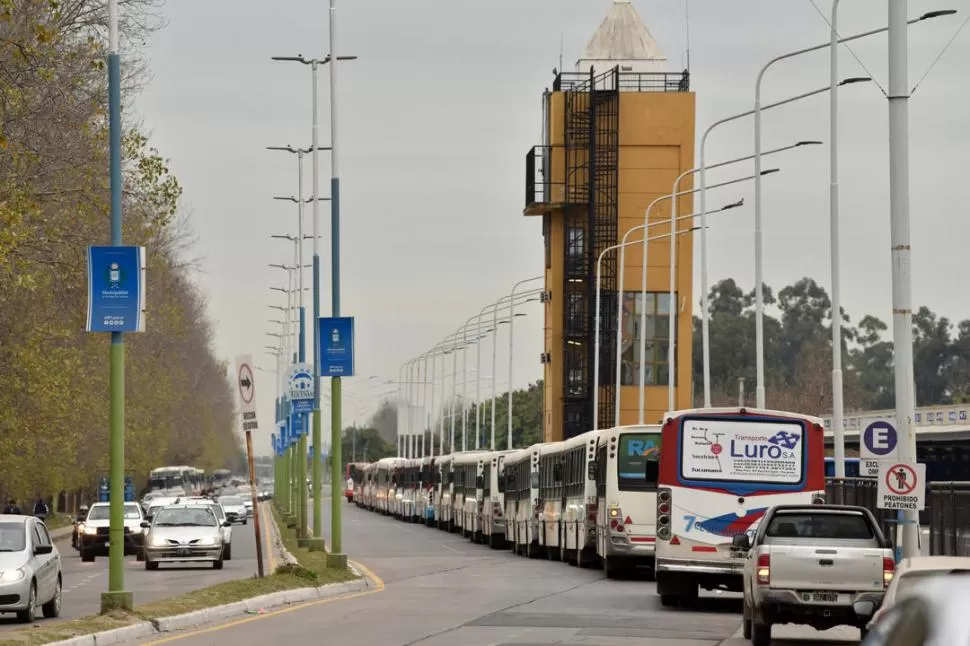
[822,597]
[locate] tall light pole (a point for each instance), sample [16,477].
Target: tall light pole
[759,296]
[702,176]
[674,306]
[515,288]
[116,597]
[317,542]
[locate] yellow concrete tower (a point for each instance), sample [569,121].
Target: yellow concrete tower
[616,133]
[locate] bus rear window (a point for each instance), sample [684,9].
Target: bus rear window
[638,460]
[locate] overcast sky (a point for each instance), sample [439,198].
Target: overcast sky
[436,118]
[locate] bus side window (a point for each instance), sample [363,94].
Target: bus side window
[601,471]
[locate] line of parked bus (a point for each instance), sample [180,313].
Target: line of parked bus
[612,498]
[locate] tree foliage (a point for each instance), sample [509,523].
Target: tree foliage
[798,352]
[54,203]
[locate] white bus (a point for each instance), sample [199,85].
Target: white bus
[493,494]
[720,471]
[578,524]
[627,463]
[550,505]
[442,503]
[521,500]
[467,467]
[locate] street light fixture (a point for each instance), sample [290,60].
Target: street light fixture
[759,296]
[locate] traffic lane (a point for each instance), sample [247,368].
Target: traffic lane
[440,589]
[84,582]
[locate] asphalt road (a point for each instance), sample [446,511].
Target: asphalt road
[84,582]
[441,590]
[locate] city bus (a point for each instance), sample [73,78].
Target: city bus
[627,461]
[493,493]
[522,499]
[444,481]
[353,475]
[720,470]
[578,520]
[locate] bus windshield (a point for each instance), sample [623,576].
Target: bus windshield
[637,461]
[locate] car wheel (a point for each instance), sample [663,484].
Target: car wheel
[150,565]
[27,616]
[245,521]
[227,552]
[52,608]
[140,554]
[87,555]
[217,565]
[760,633]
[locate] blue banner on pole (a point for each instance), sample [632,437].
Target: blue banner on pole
[116,289]
[297,426]
[336,336]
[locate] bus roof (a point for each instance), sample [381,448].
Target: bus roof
[754,412]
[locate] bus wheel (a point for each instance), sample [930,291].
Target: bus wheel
[610,569]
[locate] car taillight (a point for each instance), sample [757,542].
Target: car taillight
[888,570]
[764,569]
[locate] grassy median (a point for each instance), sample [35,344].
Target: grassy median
[311,572]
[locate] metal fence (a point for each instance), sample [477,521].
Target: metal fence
[948,504]
[947,512]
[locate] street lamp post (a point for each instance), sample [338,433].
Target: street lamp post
[702,176]
[643,294]
[317,542]
[759,296]
[674,307]
[116,596]
[508,440]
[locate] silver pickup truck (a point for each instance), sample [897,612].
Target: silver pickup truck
[819,565]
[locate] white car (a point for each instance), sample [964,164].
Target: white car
[220,513]
[912,572]
[934,613]
[93,531]
[235,508]
[30,568]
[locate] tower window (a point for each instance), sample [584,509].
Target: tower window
[656,333]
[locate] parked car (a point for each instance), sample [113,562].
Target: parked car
[235,508]
[932,613]
[820,565]
[912,572]
[30,569]
[184,534]
[93,538]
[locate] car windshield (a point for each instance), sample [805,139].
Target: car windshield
[13,537]
[815,525]
[910,582]
[185,516]
[218,511]
[103,512]
[231,501]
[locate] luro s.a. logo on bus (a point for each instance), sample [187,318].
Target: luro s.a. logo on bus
[777,447]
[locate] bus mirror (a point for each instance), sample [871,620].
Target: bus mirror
[591,470]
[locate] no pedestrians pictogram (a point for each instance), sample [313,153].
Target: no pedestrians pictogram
[901,479]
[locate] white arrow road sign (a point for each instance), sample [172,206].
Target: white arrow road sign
[246,389]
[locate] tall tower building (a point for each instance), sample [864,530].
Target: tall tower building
[616,133]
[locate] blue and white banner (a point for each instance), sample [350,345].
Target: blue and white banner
[116,289]
[336,346]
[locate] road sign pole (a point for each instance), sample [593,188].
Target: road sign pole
[255,497]
[116,597]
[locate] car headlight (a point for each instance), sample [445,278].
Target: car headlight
[90,530]
[80,528]
[207,541]
[158,542]
[8,576]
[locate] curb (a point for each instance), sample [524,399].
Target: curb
[218,613]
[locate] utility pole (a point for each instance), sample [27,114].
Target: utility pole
[900,250]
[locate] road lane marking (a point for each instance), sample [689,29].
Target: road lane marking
[376,580]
